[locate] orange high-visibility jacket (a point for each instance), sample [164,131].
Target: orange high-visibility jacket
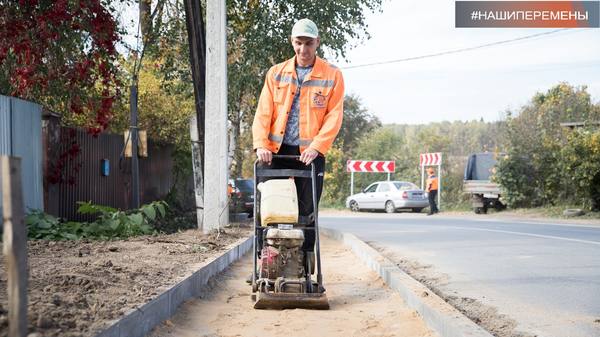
[432,183]
[321,106]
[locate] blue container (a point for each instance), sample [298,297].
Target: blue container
[105,167]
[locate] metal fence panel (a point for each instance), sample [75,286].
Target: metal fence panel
[5,125]
[27,144]
[5,142]
[21,136]
[114,190]
[156,178]
[89,184]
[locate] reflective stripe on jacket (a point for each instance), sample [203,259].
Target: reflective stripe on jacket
[321,106]
[432,183]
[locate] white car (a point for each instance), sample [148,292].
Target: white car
[389,196]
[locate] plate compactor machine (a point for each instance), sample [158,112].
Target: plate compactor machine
[282,274]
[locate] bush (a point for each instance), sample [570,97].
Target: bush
[581,162]
[514,174]
[110,224]
[548,164]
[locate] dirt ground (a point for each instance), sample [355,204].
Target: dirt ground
[485,316]
[76,287]
[361,305]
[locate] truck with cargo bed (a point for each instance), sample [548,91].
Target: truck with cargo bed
[477,182]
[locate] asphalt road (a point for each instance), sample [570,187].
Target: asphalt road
[545,276]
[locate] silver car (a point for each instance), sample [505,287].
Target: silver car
[389,196]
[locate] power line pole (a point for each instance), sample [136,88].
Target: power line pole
[133,133]
[215,195]
[196,42]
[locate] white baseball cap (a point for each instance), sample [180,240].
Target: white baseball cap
[305,27]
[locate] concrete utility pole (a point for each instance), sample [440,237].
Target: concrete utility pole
[215,193]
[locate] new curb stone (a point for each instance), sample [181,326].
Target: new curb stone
[446,320]
[139,322]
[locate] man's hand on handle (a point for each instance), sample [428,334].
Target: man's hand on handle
[308,156]
[264,155]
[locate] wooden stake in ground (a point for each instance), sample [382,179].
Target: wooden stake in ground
[15,244]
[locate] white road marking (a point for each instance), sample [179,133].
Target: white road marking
[529,222]
[527,234]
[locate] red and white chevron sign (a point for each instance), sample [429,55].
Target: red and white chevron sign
[430,159]
[370,166]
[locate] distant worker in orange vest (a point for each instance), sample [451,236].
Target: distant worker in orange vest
[229,190]
[432,190]
[300,112]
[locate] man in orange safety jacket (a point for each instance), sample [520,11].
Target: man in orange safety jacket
[300,112]
[432,190]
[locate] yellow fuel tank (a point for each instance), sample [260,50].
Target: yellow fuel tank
[278,201]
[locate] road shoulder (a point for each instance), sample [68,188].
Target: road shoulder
[442,317]
[361,305]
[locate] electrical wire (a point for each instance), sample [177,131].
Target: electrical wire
[455,51]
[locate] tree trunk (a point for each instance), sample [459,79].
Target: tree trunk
[145,20]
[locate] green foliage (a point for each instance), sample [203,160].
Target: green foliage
[516,182]
[581,161]
[453,168]
[546,163]
[89,208]
[336,180]
[43,226]
[166,113]
[165,104]
[110,224]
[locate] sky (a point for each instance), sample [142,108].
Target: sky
[477,84]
